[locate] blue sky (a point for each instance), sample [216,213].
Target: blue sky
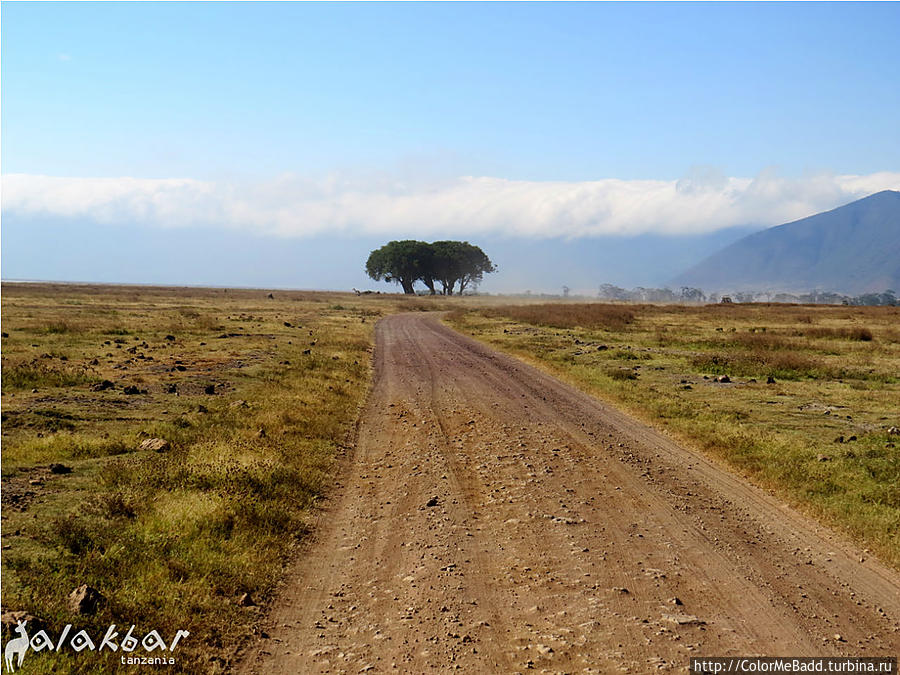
[518,121]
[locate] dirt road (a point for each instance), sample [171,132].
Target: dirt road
[493,519]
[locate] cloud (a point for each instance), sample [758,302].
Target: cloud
[295,206]
[62,56]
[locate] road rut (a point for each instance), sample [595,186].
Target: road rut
[494,519]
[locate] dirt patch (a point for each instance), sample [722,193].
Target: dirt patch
[25,485]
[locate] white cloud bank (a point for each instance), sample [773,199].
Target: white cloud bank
[291,206]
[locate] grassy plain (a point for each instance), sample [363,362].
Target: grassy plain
[256,395]
[816,433]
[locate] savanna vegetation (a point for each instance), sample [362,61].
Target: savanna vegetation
[252,397]
[800,399]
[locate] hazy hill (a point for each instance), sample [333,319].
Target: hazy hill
[852,249]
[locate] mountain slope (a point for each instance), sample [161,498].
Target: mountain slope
[852,249]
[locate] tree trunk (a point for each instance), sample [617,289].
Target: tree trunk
[407,286]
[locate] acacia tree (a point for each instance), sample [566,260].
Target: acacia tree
[449,262]
[403,262]
[692,294]
[475,265]
[459,262]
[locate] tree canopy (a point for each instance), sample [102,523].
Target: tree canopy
[456,265]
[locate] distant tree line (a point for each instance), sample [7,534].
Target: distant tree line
[641,294]
[689,294]
[455,265]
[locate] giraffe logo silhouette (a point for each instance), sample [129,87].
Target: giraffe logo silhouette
[16,646]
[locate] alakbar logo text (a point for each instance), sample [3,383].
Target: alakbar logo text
[158,652]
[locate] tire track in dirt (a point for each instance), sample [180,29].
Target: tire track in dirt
[493,519]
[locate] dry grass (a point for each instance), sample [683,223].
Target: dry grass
[759,362]
[172,539]
[44,372]
[836,372]
[569,315]
[855,333]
